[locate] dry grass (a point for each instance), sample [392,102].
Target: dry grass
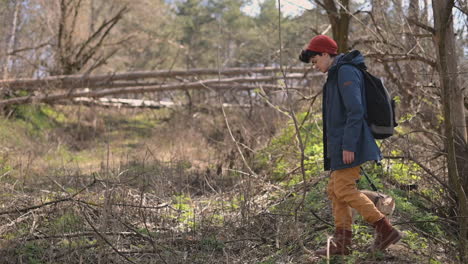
[139,186]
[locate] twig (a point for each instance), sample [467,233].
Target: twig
[292,114]
[422,221]
[143,215]
[237,144]
[74,235]
[429,235]
[22,210]
[165,205]
[421,25]
[14,222]
[427,170]
[105,239]
[147,238]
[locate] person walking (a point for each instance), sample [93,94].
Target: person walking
[348,143]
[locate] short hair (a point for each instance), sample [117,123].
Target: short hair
[307,54]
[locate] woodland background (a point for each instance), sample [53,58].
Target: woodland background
[187,131]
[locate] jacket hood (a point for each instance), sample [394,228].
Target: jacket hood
[354,57]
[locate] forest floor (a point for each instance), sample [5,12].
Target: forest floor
[95,185]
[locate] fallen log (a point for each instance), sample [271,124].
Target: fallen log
[225,86]
[122,102]
[91,81]
[48,98]
[135,103]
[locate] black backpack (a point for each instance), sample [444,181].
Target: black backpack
[380,106]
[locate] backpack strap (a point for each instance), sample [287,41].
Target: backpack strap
[368,179]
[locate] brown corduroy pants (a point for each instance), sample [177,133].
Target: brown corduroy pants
[344,195]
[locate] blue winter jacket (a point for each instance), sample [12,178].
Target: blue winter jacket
[344,113]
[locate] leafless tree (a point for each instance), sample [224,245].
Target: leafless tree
[12,41]
[75,49]
[339,17]
[454,114]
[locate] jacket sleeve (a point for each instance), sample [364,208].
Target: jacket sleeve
[349,85]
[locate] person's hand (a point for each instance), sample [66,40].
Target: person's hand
[348,157]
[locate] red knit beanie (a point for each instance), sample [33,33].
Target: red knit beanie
[322,43]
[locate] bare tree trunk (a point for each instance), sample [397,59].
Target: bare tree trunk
[425,13]
[413,13]
[409,69]
[77,49]
[454,119]
[339,17]
[12,42]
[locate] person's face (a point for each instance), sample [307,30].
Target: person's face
[321,62]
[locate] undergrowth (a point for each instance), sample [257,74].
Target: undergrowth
[108,186]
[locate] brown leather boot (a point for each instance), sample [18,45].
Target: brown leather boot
[385,235]
[339,245]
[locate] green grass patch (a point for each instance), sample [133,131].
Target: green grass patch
[67,223]
[185,215]
[32,252]
[414,240]
[282,155]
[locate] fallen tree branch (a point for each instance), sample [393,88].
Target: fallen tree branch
[69,198]
[90,81]
[123,102]
[48,98]
[234,86]
[86,217]
[165,205]
[80,234]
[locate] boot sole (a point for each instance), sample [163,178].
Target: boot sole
[393,238]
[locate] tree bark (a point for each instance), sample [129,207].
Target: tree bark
[339,17]
[454,120]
